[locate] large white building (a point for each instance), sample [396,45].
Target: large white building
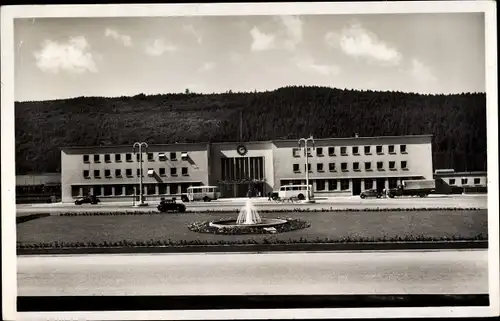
[337,166]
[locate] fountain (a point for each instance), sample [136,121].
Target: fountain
[248,217]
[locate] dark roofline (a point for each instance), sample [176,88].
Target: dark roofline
[456,174]
[251,142]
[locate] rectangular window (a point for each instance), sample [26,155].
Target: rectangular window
[355,166]
[319,151]
[392,165]
[332,184]
[75,191]
[107,173]
[138,157]
[319,167]
[173,156]
[331,167]
[150,189]
[477,181]
[380,149]
[368,184]
[151,157]
[118,158]
[344,184]
[86,158]
[96,159]
[355,150]
[380,166]
[343,151]
[391,149]
[86,174]
[108,190]
[452,181]
[296,152]
[368,166]
[107,158]
[162,189]
[296,168]
[185,171]
[97,190]
[97,173]
[464,181]
[308,167]
[368,150]
[162,157]
[128,157]
[162,171]
[138,172]
[402,149]
[118,173]
[129,172]
[404,165]
[343,167]
[320,185]
[130,189]
[118,190]
[331,151]
[173,171]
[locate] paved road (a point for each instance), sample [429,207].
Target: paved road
[444,272]
[455,201]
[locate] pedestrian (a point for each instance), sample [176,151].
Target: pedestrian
[269,196]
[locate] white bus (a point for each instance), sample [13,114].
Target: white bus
[205,193]
[298,191]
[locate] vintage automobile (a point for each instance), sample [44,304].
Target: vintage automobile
[371,193]
[171,206]
[88,200]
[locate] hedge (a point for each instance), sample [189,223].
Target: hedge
[270,241]
[263,211]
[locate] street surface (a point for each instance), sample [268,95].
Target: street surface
[352,202]
[397,272]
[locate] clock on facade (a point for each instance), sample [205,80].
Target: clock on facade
[242,150]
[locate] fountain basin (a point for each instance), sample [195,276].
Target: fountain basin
[265,222]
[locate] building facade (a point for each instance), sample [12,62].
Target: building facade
[450,182]
[337,166]
[113,172]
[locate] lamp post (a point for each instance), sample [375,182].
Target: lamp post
[306,152]
[138,148]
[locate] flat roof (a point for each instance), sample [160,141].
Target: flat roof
[252,142]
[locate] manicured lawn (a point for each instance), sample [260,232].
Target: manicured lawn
[333,225]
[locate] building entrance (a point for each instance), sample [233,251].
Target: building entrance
[242,177]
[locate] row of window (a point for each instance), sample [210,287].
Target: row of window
[354,149]
[332,167]
[151,157]
[128,172]
[132,189]
[465,181]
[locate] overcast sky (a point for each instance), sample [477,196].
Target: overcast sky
[425,53]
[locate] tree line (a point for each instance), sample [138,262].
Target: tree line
[458,122]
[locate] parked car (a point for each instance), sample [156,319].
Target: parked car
[87,200]
[172,206]
[371,193]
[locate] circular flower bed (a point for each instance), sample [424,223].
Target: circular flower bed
[290,224]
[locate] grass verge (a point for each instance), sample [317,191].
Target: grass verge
[171,230]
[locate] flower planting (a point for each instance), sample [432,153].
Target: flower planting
[291,224]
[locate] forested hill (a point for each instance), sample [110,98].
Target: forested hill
[458,122]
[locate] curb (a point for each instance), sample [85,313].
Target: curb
[258,248]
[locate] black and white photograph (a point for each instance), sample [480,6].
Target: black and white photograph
[256,161]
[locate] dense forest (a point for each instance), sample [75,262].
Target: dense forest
[458,122]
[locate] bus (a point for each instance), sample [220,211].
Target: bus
[298,191]
[205,193]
